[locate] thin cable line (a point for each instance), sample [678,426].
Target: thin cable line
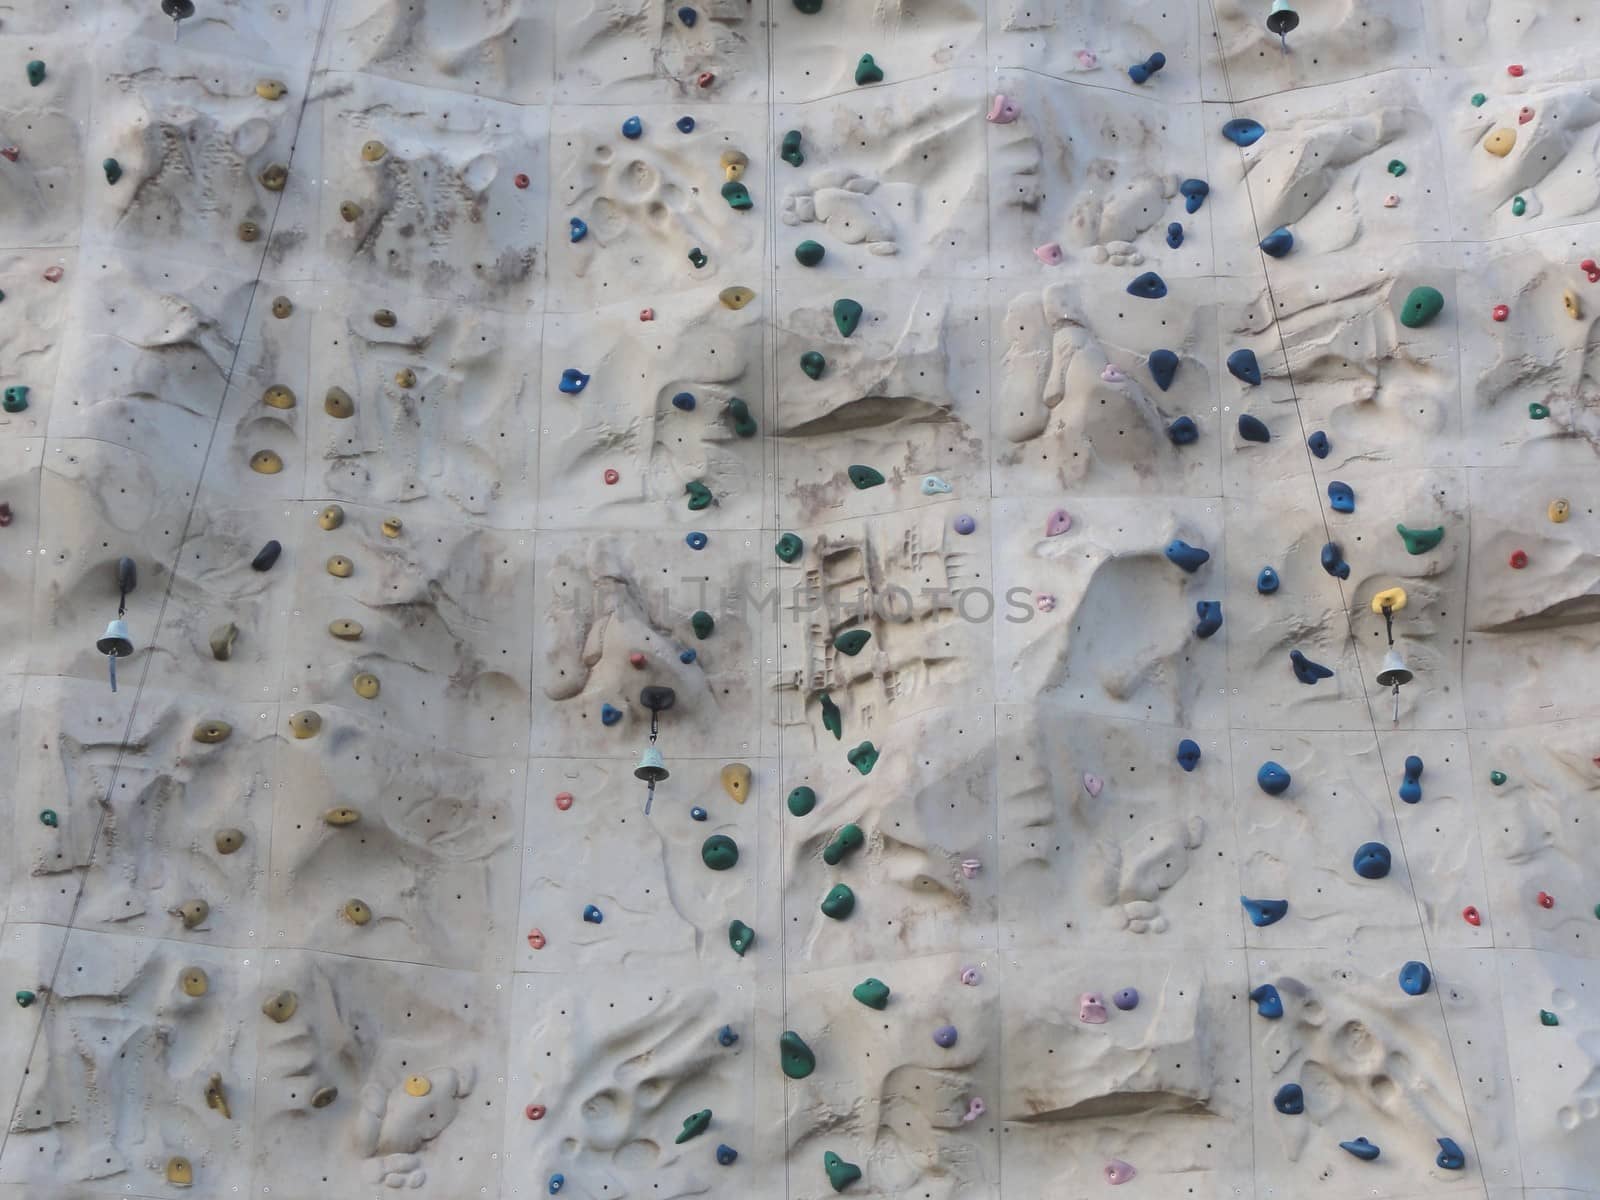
[1344,602]
[166,594]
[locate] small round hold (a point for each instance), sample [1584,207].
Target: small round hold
[405,377]
[228,840]
[278,396]
[1515,70]
[593,915]
[384,318]
[271,89]
[306,723]
[180,1172]
[696,540]
[209,733]
[720,852]
[632,128]
[520,181]
[337,403]
[349,211]
[1127,999]
[342,816]
[340,567]
[390,527]
[697,813]
[736,297]
[964,524]
[324,1096]
[281,1007]
[1545,900]
[1559,511]
[726,1155]
[365,685]
[685,124]
[48,818]
[611,475]
[1471,916]
[373,151]
[1501,312]
[192,912]
[357,912]
[192,981]
[281,307]
[330,516]
[248,231]
[266,462]
[647,314]
[345,629]
[267,556]
[637,660]
[274,176]
[536,939]
[418,1085]
[1518,559]
[945,1036]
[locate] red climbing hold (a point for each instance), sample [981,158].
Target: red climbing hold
[534,1112]
[705,79]
[5,515]
[10,153]
[1589,268]
[611,475]
[1519,559]
[1515,70]
[1546,900]
[521,181]
[1501,312]
[1470,915]
[563,802]
[647,314]
[637,659]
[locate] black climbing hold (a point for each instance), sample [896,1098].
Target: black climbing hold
[267,555]
[1333,561]
[1253,429]
[1183,431]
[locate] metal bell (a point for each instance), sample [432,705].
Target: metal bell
[652,767]
[116,641]
[1282,20]
[1394,671]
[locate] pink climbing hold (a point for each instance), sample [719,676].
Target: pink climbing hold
[1093,784]
[1049,254]
[611,475]
[1088,59]
[1519,559]
[970,976]
[54,274]
[534,1112]
[1589,268]
[1045,602]
[1092,1008]
[1524,115]
[969,867]
[563,800]
[1470,915]
[9,153]
[5,514]
[1515,70]
[1004,110]
[636,657]
[1501,312]
[1118,1171]
[647,314]
[1057,523]
[536,939]
[1111,373]
[975,1109]
[1392,200]
[1546,900]
[705,79]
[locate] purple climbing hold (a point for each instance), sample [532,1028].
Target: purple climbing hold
[945,1036]
[1127,999]
[1092,1009]
[964,524]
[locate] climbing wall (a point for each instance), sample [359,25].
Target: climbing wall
[1109,485]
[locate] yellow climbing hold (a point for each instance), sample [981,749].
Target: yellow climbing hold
[278,396]
[306,723]
[280,1007]
[349,211]
[405,377]
[324,1096]
[1570,302]
[391,527]
[736,781]
[346,629]
[274,177]
[366,685]
[249,231]
[384,318]
[1559,511]
[357,912]
[216,1098]
[209,733]
[193,981]
[373,151]
[736,297]
[1500,142]
[192,912]
[179,1171]
[418,1085]
[266,462]
[337,403]
[222,639]
[733,163]
[342,816]
[331,517]
[281,307]
[340,567]
[228,840]
[271,89]
[1394,599]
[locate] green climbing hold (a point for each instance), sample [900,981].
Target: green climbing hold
[790,150]
[1538,412]
[812,363]
[795,1056]
[719,852]
[851,641]
[740,936]
[868,71]
[16,398]
[1478,99]
[697,257]
[802,800]
[864,757]
[113,170]
[840,1173]
[48,818]
[810,7]
[743,423]
[1421,306]
[1420,541]
[699,495]
[702,623]
[847,840]
[846,315]
[789,547]
[874,993]
[809,253]
[1546,1017]
[839,903]
[832,719]
[1518,206]
[865,477]
[1396,167]
[1497,777]
[36,72]
[25,998]
[1597,911]
[737,195]
[693,1126]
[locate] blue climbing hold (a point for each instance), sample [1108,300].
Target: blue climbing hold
[1290,1100]
[632,128]
[579,229]
[684,402]
[1267,581]
[726,1036]
[1183,431]
[1148,286]
[685,124]
[1253,429]
[1415,978]
[573,381]
[1273,778]
[1190,558]
[1341,497]
[1267,1001]
[1264,912]
[592,914]
[1361,1148]
[1411,785]
[1450,1156]
[1333,561]
[688,16]
[697,813]
[1188,754]
[1175,234]
[1242,365]
[1277,243]
[687,655]
[696,540]
[557,1181]
[1319,444]
[1140,72]
[1163,367]
[1210,614]
[1194,193]
[1307,671]
[725,1155]
[1243,131]
[609,714]
[1372,860]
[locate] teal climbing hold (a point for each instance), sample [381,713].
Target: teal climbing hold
[1497,778]
[847,841]
[1420,541]
[25,998]
[740,936]
[1421,306]
[813,364]
[832,719]
[1518,206]
[795,1056]
[839,903]
[790,150]
[846,315]
[1478,99]
[719,852]
[699,495]
[809,253]
[113,170]
[1536,411]
[36,72]
[851,641]
[789,547]
[864,757]
[16,398]
[697,257]
[802,800]
[48,818]
[702,623]
[737,195]
[867,71]
[865,477]
[874,993]
[743,423]
[693,1126]
[841,1174]
[1396,167]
